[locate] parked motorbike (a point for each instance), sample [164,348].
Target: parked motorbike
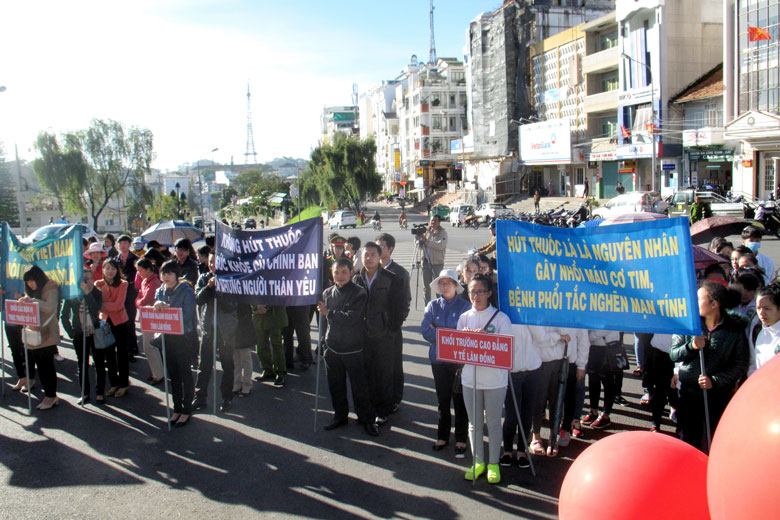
[768,215]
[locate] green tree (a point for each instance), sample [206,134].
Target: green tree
[165,208]
[61,172]
[343,173]
[9,207]
[118,159]
[226,198]
[256,182]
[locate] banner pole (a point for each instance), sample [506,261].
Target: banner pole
[165,376]
[214,358]
[84,352]
[319,340]
[558,412]
[474,429]
[27,374]
[520,424]
[2,339]
[706,404]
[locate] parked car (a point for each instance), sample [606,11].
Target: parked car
[441,210]
[343,218]
[680,204]
[249,223]
[633,202]
[492,210]
[460,212]
[55,229]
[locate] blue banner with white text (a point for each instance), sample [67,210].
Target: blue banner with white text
[633,277]
[279,266]
[59,256]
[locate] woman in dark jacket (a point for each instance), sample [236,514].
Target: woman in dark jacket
[726,359]
[79,315]
[180,350]
[443,312]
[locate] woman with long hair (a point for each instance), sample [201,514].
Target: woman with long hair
[180,350]
[114,290]
[726,357]
[39,289]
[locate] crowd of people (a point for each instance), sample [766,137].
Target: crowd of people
[365,302]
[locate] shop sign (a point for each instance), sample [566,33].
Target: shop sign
[635,150]
[548,142]
[604,156]
[703,137]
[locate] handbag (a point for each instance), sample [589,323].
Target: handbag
[457,385]
[34,338]
[103,337]
[616,359]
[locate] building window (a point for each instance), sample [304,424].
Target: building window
[462,99]
[436,122]
[580,176]
[453,127]
[610,82]
[436,99]
[609,128]
[458,77]
[608,40]
[453,102]
[758,61]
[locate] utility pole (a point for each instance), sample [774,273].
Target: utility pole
[19,199]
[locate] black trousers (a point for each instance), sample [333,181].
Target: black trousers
[299,324]
[657,373]
[570,398]
[597,379]
[14,335]
[444,376]
[179,355]
[525,384]
[379,369]
[398,366]
[43,358]
[124,334]
[105,362]
[206,367]
[690,414]
[340,366]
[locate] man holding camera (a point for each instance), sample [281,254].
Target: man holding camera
[434,245]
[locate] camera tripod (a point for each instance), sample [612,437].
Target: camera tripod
[420,261]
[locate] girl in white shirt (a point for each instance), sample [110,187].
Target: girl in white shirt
[485,385]
[767,343]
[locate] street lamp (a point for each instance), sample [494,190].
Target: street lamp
[652,109]
[178,201]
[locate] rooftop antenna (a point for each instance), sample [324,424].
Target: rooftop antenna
[250,138]
[432,56]
[354,94]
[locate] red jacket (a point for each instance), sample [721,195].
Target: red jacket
[147,291]
[113,302]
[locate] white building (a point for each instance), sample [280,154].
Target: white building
[665,46]
[340,119]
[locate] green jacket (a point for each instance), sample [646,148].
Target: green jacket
[274,318]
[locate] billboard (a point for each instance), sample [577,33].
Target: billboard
[548,142]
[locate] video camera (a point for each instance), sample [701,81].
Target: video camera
[419,230]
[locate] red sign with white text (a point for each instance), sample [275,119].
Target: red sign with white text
[167,321]
[474,348]
[22,313]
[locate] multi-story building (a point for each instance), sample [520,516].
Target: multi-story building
[751,97]
[379,120]
[664,47]
[499,45]
[600,68]
[431,111]
[551,150]
[343,119]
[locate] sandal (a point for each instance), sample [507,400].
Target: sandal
[551,452]
[645,401]
[537,448]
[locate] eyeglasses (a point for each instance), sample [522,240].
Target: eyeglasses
[479,293]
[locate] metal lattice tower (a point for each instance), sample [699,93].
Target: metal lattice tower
[250,137]
[432,55]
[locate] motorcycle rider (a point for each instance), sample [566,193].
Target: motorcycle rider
[402,220]
[376,221]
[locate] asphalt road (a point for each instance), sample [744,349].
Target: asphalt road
[263,458]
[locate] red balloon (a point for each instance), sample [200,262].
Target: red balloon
[636,475]
[742,472]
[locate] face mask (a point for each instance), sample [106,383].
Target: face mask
[753,246]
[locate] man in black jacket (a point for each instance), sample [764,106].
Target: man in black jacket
[384,309]
[343,307]
[386,242]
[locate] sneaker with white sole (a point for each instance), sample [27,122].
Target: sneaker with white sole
[589,419]
[602,422]
[564,438]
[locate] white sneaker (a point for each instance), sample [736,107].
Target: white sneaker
[57,357]
[564,438]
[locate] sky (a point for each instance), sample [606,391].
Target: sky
[181,67]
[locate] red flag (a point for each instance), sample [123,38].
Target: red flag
[625,132]
[756,34]
[649,127]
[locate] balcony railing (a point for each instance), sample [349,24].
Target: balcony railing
[601,101]
[601,61]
